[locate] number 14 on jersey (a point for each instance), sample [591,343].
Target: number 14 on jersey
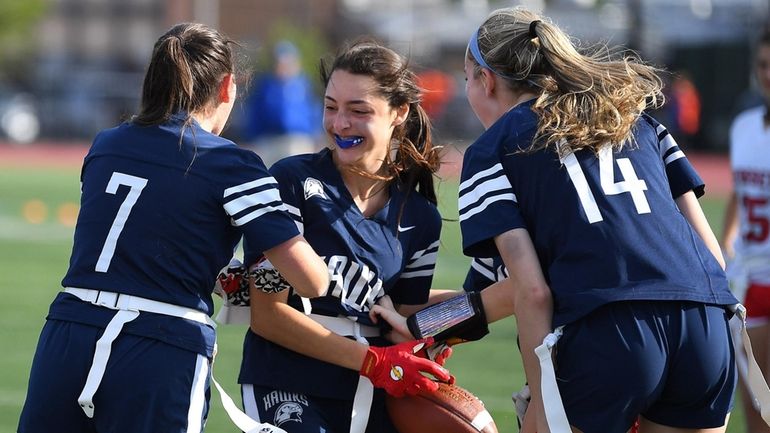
[630,184]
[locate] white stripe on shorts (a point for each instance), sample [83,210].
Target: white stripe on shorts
[249,402]
[198,395]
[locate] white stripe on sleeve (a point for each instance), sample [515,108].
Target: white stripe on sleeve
[495,184]
[479,266]
[258,213]
[422,263]
[257,199]
[673,157]
[479,175]
[668,142]
[249,185]
[464,215]
[426,259]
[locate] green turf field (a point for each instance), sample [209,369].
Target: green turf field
[34,258]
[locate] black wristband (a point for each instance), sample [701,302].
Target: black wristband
[460,317]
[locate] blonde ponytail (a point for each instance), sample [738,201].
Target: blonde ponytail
[587,100]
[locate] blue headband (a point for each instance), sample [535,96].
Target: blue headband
[473,46]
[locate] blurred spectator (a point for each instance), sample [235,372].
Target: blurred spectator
[282,110]
[746,230]
[749,98]
[683,110]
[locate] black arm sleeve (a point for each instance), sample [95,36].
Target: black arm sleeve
[461,317]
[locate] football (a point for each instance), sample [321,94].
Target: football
[451,409]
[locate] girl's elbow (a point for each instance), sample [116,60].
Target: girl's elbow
[537,297]
[315,287]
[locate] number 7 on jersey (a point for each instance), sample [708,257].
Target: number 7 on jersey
[136,184]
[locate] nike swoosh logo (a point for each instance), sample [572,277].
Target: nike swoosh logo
[404,229]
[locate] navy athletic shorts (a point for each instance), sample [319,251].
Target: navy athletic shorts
[671,362]
[148,386]
[300,413]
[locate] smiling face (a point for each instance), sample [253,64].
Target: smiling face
[359,120]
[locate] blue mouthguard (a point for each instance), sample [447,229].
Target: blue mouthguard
[347,143]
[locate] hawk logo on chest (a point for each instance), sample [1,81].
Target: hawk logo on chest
[314,187]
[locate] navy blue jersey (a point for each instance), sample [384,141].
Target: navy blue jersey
[392,252]
[605,227]
[160,217]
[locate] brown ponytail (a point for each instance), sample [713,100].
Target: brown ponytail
[187,65]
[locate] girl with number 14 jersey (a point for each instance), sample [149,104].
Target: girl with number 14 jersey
[593,208]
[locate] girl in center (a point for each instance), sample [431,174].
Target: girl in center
[367,205]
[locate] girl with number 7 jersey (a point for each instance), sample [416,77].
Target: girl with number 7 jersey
[128,344]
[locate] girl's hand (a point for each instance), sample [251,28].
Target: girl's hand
[385,310]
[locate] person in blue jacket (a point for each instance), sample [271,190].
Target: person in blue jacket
[282,112]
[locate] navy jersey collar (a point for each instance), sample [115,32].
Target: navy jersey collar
[381,216]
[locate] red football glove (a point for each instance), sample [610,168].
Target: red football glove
[437,353]
[397,369]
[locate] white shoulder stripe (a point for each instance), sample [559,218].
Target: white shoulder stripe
[249,185]
[479,175]
[485,204]
[498,183]
[668,142]
[673,157]
[247,201]
[258,213]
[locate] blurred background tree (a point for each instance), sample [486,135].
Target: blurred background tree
[18,21]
